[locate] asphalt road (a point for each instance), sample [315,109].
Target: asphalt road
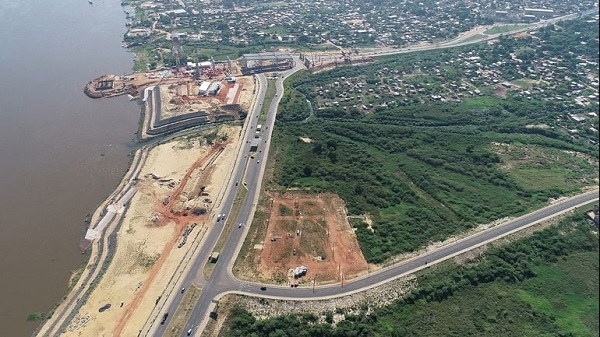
[194,275]
[251,171]
[459,42]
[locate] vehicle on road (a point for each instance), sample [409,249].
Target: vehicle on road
[164,318]
[263,288]
[240,225]
[236,183]
[258,161]
[182,290]
[189,332]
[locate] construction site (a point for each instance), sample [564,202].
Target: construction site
[307,239]
[321,61]
[265,62]
[178,188]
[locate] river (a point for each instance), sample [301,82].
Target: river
[61,153]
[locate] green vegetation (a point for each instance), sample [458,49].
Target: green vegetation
[542,285]
[38,316]
[420,183]
[147,261]
[426,169]
[285,211]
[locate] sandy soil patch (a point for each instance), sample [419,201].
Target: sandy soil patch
[311,231]
[183,172]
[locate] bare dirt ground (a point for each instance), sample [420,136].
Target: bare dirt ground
[312,231]
[184,172]
[181,98]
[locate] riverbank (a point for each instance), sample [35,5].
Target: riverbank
[176,184]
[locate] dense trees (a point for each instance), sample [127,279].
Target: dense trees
[461,301]
[426,171]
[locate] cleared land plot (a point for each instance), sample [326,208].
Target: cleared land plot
[312,231]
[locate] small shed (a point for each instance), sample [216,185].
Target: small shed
[214,88]
[204,88]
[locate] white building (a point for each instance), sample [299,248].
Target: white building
[204,88]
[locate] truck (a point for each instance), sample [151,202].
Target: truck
[213,257]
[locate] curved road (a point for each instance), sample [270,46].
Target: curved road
[251,171]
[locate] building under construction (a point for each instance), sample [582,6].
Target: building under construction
[263,62]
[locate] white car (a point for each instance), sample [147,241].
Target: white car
[240,225]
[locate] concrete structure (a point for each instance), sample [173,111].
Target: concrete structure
[539,12]
[258,63]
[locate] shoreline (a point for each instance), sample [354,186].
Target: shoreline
[103,248]
[97,253]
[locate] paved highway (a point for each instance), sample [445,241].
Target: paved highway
[466,40]
[248,172]
[251,170]
[223,282]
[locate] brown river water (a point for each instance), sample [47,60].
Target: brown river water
[61,153]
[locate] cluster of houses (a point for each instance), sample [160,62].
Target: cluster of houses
[519,66]
[344,23]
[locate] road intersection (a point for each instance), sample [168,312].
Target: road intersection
[250,171]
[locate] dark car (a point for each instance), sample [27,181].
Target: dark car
[164,319]
[263,288]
